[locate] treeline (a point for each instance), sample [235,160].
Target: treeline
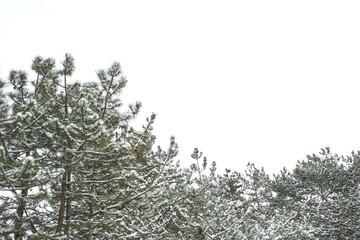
[72,167]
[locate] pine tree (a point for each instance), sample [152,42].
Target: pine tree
[73,165]
[236,206]
[324,188]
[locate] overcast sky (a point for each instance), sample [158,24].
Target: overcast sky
[244,81]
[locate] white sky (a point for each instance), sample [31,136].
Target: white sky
[244,81]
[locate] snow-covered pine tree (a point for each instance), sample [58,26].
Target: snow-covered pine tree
[23,163]
[324,190]
[235,206]
[75,168]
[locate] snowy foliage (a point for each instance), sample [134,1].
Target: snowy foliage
[73,167]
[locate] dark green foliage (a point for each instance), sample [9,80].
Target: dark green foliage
[72,166]
[324,187]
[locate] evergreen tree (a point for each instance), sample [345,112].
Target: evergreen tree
[324,188]
[236,206]
[73,165]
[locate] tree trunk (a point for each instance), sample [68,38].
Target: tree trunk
[62,201]
[20,212]
[68,204]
